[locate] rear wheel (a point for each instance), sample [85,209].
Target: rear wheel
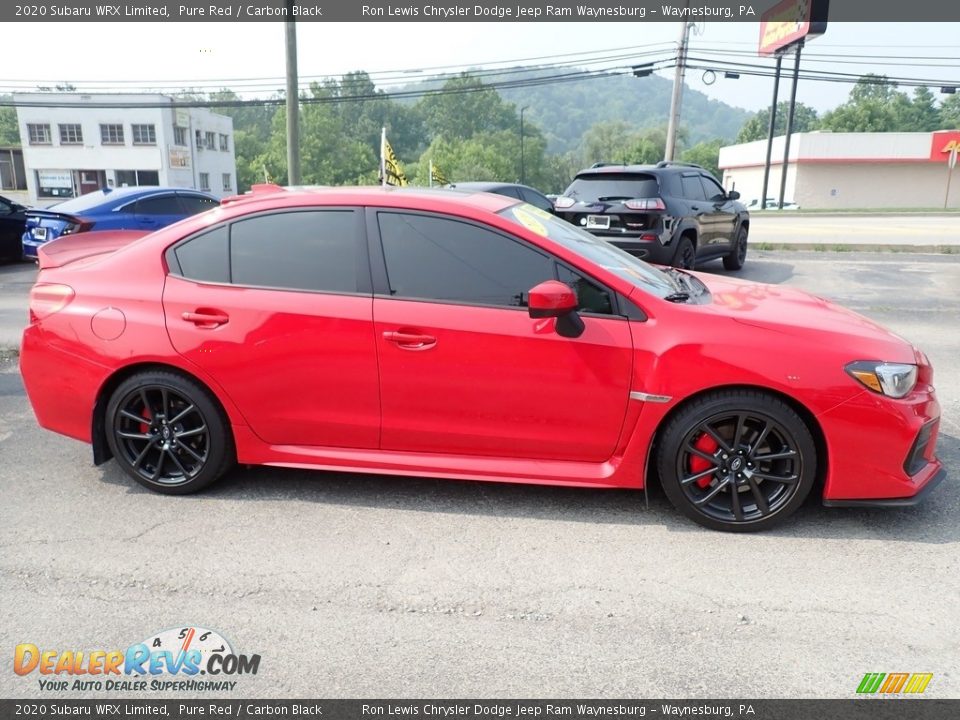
[685,257]
[738,253]
[168,433]
[737,460]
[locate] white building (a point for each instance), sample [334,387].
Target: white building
[76,143]
[850,170]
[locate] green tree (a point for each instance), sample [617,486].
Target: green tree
[950,112]
[707,154]
[876,105]
[464,108]
[805,119]
[9,130]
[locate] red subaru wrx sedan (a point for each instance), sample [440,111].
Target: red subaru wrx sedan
[446,334]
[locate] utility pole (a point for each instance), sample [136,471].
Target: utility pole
[786,139]
[293,101]
[677,98]
[522,168]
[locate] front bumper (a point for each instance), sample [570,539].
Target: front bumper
[882,451]
[902,502]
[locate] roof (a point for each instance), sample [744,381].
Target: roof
[371,195]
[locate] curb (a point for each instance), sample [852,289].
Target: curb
[835,247]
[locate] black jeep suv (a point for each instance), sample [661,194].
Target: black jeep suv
[669,213]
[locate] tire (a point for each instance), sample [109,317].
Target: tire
[685,256]
[738,254]
[168,433]
[772,465]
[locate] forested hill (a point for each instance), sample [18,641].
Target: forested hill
[565,110]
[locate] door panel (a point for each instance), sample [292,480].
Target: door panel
[722,216]
[301,367]
[492,381]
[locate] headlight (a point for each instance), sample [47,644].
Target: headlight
[895,380]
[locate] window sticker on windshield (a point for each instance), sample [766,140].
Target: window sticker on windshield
[534,210]
[530,222]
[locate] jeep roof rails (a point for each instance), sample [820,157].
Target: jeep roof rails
[672,163]
[604,164]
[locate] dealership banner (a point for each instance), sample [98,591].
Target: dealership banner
[462,11]
[485,709]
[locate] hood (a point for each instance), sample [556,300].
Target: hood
[71,248]
[805,317]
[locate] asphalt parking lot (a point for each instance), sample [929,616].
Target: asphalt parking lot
[351,586]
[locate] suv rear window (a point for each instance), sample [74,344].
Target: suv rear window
[613,186]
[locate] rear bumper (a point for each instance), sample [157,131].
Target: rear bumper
[30,246]
[62,387]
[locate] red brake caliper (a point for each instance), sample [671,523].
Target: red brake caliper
[708,445]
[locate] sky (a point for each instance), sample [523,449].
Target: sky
[138,56]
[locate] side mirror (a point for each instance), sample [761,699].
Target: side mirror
[733,195]
[553,299]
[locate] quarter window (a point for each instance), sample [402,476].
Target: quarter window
[71,134]
[451,261]
[313,250]
[590,297]
[194,204]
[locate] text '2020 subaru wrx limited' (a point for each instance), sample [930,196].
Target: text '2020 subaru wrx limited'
[448,334]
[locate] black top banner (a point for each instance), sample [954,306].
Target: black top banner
[462,11]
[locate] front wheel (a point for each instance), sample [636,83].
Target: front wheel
[738,253]
[168,433]
[737,460]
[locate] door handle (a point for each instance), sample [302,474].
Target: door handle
[410,341]
[202,318]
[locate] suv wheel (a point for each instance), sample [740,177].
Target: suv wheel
[738,253]
[685,257]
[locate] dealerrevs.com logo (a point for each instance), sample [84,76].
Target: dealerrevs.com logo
[187,658]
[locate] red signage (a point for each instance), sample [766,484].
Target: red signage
[790,22]
[943,143]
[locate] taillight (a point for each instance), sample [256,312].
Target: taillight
[645,204]
[563,202]
[47,299]
[77,225]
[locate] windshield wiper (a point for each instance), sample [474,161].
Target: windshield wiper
[677,297]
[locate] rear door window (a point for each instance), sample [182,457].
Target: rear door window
[692,189]
[162,205]
[313,250]
[193,205]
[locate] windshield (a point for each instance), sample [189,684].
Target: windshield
[610,186]
[591,247]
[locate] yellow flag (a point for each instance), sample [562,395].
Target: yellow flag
[390,172]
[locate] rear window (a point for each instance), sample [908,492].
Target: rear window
[84,202]
[612,186]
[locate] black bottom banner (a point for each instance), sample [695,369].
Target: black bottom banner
[853,709]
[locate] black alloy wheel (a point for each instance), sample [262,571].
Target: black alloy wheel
[738,253]
[737,460]
[167,433]
[686,255]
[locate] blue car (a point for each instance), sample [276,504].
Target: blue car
[134,208]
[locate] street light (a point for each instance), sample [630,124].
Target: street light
[522,169]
